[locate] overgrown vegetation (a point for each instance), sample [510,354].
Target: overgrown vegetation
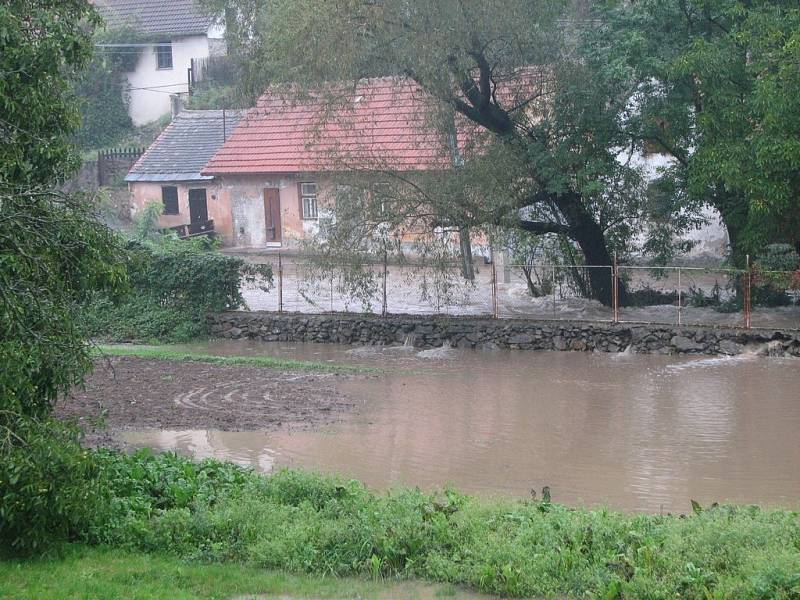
[174,285]
[102,90]
[304,523]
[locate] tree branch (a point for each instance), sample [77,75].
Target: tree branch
[540,227]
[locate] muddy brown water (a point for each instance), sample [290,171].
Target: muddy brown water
[640,433]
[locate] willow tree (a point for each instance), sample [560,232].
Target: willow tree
[550,156]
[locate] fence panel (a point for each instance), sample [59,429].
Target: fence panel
[421,289]
[664,295]
[682,295]
[775,299]
[557,292]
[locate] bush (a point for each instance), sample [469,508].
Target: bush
[49,485]
[174,285]
[308,523]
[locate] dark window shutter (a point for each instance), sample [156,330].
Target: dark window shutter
[169,196]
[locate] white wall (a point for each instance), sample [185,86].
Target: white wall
[148,105]
[711,240]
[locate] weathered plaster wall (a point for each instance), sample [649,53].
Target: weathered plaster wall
[431,332]
[245,196]
[218,209]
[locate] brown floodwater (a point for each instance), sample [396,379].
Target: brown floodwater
[642,433]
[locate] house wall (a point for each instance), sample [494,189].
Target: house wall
[219,210]
[245,196]
[711,239]
[148,105]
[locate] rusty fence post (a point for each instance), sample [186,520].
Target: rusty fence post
[748,295]
[554,292]
[680,299]
[615,288]
[385,277]
[280,283]
[495,312]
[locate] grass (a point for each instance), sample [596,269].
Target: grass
[269,362]
[100,573]
[214,513]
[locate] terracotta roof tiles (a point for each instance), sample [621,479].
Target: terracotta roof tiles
[379,124]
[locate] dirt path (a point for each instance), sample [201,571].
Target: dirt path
[137,393]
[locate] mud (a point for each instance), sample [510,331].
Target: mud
[132,393]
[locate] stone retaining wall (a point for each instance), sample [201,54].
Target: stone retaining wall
[432,332]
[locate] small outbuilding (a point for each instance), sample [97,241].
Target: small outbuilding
[170,174]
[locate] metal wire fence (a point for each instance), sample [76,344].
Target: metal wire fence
[670,295]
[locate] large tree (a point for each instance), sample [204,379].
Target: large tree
[717,85]
[52,250]
[548,159]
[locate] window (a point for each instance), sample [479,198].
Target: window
[169,196]
[164,55]
[308,200]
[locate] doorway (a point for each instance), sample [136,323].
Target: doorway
[198,207]
[272,215]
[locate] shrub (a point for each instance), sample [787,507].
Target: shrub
[49,485]
[309,523]
[174,285]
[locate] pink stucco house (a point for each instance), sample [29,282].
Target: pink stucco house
[264,177]
[169,173]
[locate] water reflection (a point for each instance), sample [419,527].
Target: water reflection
[634,432]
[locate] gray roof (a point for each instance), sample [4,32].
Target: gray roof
[166,17]
[185,146]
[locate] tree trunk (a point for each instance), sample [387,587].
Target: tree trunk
[589,236]
[467,268]
[733,212]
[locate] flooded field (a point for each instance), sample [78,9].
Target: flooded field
[643,433]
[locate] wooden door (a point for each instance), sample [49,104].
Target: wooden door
[198,208]
[272,214]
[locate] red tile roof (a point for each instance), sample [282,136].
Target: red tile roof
[380,124]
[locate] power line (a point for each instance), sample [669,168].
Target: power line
[162,44]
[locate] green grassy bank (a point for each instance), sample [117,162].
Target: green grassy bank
[168,353]
[214,513]
[104,573]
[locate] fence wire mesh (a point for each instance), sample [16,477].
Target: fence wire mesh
[670,295]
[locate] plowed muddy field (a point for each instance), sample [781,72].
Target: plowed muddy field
[133,393]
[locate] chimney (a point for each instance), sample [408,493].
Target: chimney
[176,104]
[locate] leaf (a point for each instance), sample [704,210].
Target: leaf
[696,508]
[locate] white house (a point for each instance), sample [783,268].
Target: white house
[177,32]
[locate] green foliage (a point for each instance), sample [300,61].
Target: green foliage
[145,223]
[304,523]
[174,285]
[49,486]
[102,90]
[52,250]
[42,44]
[716,88]
[778,257]
[213,97]
[83,572]
[52,254]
